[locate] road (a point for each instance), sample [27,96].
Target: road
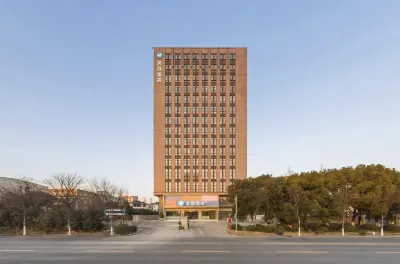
[202,244]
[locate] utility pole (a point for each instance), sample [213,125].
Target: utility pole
[236,213]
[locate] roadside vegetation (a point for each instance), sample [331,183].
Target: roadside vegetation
[67,203]
[350,199]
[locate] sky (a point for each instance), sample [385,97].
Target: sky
[76,82]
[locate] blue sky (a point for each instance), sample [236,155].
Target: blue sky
[76,82]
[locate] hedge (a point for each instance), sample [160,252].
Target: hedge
[125,229]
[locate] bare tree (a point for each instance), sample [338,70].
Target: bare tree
[107,194]
[20,194]
[65,187]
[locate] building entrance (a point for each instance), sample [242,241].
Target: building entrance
[192,215]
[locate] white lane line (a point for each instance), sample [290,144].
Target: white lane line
[196,243]
[329,243]
[17,250]
[205,251]
[108,251]
[109,243]
[303,252]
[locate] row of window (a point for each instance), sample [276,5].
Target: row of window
[204,152]
[213,77]
[196,56]
[196,89]
[204,141]
[178,67]
[195,99]
[195,120]
[204,162]
[196,110]
[204,131]
[205,174]
[196,187]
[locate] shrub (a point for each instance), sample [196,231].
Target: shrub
[251,228]
[283,227]
[349,227]
[125,229]
[5,229]
[87,220]
[391,228]
[322,229]
[261,228]
[311,226]
[369,227]
[334,227]
[265,229]
[239,227]
[362,233]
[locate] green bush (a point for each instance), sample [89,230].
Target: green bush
[87,220]
[363,233]
[125,229]
[239,227]
[334,227]
[311,226]
[322,229]
[266,229]
[349,227]
[5,229]
[391,228]
[369,227]
[51,220]
[251,228]
[261,228]
[283,227]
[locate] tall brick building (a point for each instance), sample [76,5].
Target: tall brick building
[200,128]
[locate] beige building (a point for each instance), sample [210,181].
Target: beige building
[200,128]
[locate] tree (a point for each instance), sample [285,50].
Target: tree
[386,193]
[249,194]
[21,202]
[296,196]
[20,195]
[108,195]
[64,186]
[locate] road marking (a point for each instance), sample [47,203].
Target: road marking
[17,250]
[108,243]
[201,232]
[108,251]
[303,252]
[329,243]
[196,243]
[387,252]
[205,251]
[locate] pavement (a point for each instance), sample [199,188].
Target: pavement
[204,242]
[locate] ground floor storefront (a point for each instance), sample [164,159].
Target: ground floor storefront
[195,207]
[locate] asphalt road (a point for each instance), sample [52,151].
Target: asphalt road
[166,245]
